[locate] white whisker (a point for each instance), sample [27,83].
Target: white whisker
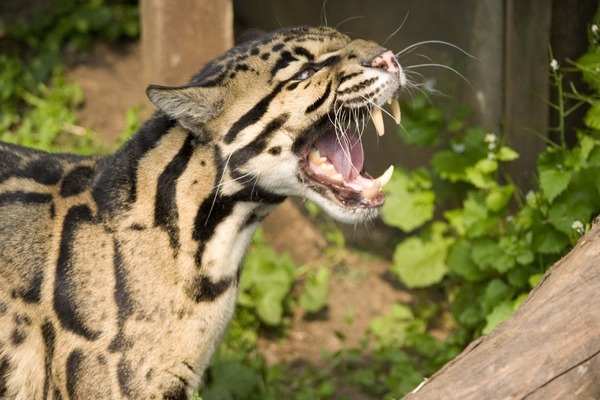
[396,31]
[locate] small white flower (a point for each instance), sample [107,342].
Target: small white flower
[458,148]
[509,218]
[594,28]
[490,138]
[530,196]
[491,146]
[578,227]
[491,156]
[554,64]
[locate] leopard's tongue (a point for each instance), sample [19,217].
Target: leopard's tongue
[339,159]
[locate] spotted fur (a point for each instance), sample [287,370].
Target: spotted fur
[119,274]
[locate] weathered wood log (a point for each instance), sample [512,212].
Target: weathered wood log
[549,349]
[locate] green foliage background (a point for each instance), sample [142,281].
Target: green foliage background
[472,238]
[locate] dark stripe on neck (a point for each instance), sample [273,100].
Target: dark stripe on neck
[165,206]
[257,146]
[65,303]
[49,337]
[252,116]
[123,299]
[314,106]
[74,372]
[115,187]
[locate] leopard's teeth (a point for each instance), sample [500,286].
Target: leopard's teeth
[370,193]
[386,176]
[395,108]
[315,157]
[377,118]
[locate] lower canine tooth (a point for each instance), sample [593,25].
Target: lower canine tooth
[372,192]
[378,120]
[386,176]
[395,106]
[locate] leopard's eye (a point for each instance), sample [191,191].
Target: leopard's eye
[306,73]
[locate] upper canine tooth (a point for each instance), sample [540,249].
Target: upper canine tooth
[395,106]
[386,176]
[378,120]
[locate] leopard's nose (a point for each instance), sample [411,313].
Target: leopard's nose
[386,61]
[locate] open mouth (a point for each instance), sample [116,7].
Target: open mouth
[333,164]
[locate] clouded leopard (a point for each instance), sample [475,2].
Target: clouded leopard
[119,274]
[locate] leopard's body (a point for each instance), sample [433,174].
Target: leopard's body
[119,274]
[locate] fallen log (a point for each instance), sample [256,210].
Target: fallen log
[549,349]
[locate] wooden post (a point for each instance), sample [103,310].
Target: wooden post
[179,36]
[526,84]
[548,350]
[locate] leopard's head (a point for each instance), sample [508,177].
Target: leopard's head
[286,111]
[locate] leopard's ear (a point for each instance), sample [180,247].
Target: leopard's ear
[192,106]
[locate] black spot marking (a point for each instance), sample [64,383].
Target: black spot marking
[265,56]
[351,56]
[44,170]
[24,198]
[242,67]
[203,163]
[277,47]
[4,372]
[165,206]
[253,115]
[18,336]
[285,58]
[321,100]
[65,304]
[203,289]
[293,85]
[74,362]
[49,337]
[275,151]
[76,181]
[33,293]
[137,227]
[232,75]
[302,51]
[254,51]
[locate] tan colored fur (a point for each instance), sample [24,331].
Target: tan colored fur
[118,275]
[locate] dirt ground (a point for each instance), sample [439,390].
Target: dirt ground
[112,80]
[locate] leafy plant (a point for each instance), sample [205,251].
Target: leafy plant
[491,249]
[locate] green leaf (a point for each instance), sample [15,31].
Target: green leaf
[498,198]
[488,255]
[501,312]
[459,262]
[476,217]
[410,202]
[496,292]
[315,294]
[507,154]
[420,263]
[554,181]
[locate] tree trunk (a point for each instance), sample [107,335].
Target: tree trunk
[550,348]
[178,37]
